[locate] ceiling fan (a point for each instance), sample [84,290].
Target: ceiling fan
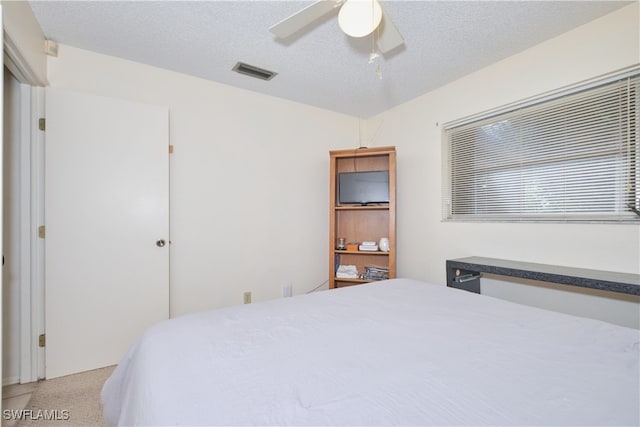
[357,18]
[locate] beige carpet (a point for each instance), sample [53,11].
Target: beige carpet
[73,400]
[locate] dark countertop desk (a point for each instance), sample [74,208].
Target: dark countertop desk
[464,273]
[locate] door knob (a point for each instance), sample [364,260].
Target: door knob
[160,243]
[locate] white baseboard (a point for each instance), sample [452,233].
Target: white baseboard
[10,381]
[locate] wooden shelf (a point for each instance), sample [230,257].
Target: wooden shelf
[338,279]
[339,251]
[351,282]
[358,223]
[362,208]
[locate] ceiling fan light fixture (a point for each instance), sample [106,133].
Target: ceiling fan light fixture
[358,18]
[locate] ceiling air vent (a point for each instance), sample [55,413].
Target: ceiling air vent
[250,70]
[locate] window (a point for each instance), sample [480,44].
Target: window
[571,156]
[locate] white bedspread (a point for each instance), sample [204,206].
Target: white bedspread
[399,352]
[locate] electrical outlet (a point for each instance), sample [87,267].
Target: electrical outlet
[247,297]
[287,290]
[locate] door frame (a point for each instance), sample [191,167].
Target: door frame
[32,357]
[32,361]
[1,176]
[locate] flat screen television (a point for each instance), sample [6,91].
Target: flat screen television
[363,187]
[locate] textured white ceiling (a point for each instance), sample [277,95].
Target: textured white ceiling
[320,66]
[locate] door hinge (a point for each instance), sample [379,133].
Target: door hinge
[42,340]
[42,124]
[42,231]
[170,149]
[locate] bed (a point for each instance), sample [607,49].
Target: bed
[395,352]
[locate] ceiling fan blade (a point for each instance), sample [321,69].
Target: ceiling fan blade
[389,37]
[306,16]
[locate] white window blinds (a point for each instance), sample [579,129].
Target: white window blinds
[569,157]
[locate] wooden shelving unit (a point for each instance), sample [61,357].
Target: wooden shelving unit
[361,223]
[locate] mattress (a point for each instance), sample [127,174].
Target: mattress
[396,352]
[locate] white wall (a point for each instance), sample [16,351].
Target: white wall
[424,242]
[249,179]
[249,174]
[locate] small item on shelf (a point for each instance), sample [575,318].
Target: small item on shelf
[347,272]
[384,244]
[375,273]
[341,244]
[352,246]
[368,246]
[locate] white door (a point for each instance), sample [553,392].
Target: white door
[107,216]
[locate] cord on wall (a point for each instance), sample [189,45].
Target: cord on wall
[319,286]
[360,134]
[362,143]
